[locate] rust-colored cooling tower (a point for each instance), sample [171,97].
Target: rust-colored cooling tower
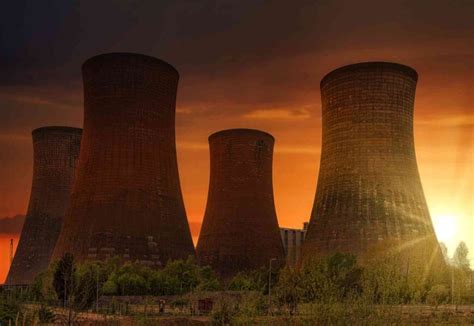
[126,200]
[240,228]
[55,153]
[369,198]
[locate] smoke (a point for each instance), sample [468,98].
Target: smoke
[11,225]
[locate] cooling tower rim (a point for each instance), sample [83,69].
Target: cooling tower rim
[101,56]
[62,129]
[239,132]
[409,71]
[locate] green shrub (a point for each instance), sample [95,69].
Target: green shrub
[256,280]
[45,315]
[250,306]
[438,294]
[223,313]
[334,278]
[288,291]
[8,312]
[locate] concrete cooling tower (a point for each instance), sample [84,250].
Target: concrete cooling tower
[55,153]
[240,228]
[369,198]
[126,201]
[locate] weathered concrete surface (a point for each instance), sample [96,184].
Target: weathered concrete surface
[369,198]
[55,153]
[240,228]
[127,199]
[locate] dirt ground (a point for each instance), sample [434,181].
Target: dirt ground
[398,315]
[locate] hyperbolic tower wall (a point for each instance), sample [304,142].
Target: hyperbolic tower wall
[240,227]
[55,153]
[369,198]
[127,199]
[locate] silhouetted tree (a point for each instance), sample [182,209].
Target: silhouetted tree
[461,274]
[63,279]
[460,257]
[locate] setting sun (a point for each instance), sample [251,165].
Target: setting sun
[446,228]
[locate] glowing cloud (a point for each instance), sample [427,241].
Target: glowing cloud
[277,114]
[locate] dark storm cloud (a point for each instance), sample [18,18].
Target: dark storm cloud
[261,46]
[46,42]
[38,38]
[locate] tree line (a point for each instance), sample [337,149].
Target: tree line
[331,280]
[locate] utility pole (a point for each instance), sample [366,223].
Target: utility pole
[65,290]
[452,284]
[270,287]
[97,292]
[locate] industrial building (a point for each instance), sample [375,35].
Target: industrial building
[55,154]
[126,201]
[292,242]
[240,228]
[369,199]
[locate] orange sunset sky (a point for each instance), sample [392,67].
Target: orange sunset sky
[252,64]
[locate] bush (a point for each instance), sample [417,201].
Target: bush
[8,312]
[251,305]
[438,294]
[45,315]
[223,313]
[183,276]
[180,276]
[88,280]
[334,278]
[177,277]
[42,287]
[208,280]
[256,280]
[288,291]
[396,280]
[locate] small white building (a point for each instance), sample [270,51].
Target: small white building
[292,240]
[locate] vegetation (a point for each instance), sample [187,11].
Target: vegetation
[82,284]
[334,278]
[45,315]
[256,280]
[462,276]
[223,313]
[333,290]
[9,311]
[438,294]
[63,278]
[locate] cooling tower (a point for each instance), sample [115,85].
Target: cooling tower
[240,228]
[126,201]
[369,199]
[55,153]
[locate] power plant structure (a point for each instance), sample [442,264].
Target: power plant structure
[240,228]
[126,201]
[55,153]
[369,199]
[293,240]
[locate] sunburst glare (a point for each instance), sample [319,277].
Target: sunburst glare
[446,228]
